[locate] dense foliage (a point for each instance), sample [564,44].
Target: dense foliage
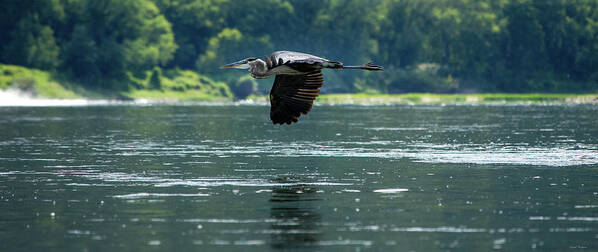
[436,46]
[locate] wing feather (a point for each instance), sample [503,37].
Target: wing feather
[293,95]
[297,57]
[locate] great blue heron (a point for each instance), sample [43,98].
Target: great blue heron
[297,83]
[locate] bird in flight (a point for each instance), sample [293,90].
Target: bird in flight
[297,83]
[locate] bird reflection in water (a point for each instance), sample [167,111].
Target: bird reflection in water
[296,225]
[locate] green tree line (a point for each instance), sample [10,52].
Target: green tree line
[425,46]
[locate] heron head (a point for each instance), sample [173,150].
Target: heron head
[241,64]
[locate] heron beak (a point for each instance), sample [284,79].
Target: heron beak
[239,65]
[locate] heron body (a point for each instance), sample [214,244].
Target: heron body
[297,83]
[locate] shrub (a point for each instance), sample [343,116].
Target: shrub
[155,81]
[244,87]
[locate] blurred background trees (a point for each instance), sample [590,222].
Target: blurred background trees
[425,46]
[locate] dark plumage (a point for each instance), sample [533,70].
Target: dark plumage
[297,83]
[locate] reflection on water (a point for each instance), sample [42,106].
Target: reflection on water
[222,178]
[296,216]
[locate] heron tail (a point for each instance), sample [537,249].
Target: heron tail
[369,66]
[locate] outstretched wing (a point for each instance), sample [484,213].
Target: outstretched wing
[293,95]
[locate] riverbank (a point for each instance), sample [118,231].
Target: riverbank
[170,85]
[19,99]
[427,98]
[21,86]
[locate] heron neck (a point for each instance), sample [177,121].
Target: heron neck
[260,75]
[258,69]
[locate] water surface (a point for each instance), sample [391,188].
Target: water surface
[345,178]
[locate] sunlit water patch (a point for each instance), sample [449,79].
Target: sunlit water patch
[16,98]
[516,153]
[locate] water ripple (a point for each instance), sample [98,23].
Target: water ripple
[155,195]
[562,154]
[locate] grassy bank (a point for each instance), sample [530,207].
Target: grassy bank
[177,85]
[172,85]
[35,82]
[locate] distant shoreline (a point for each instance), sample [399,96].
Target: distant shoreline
[447,99]
[483,98]
[12,98]
[21,86]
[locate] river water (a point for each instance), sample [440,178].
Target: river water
[345,178]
